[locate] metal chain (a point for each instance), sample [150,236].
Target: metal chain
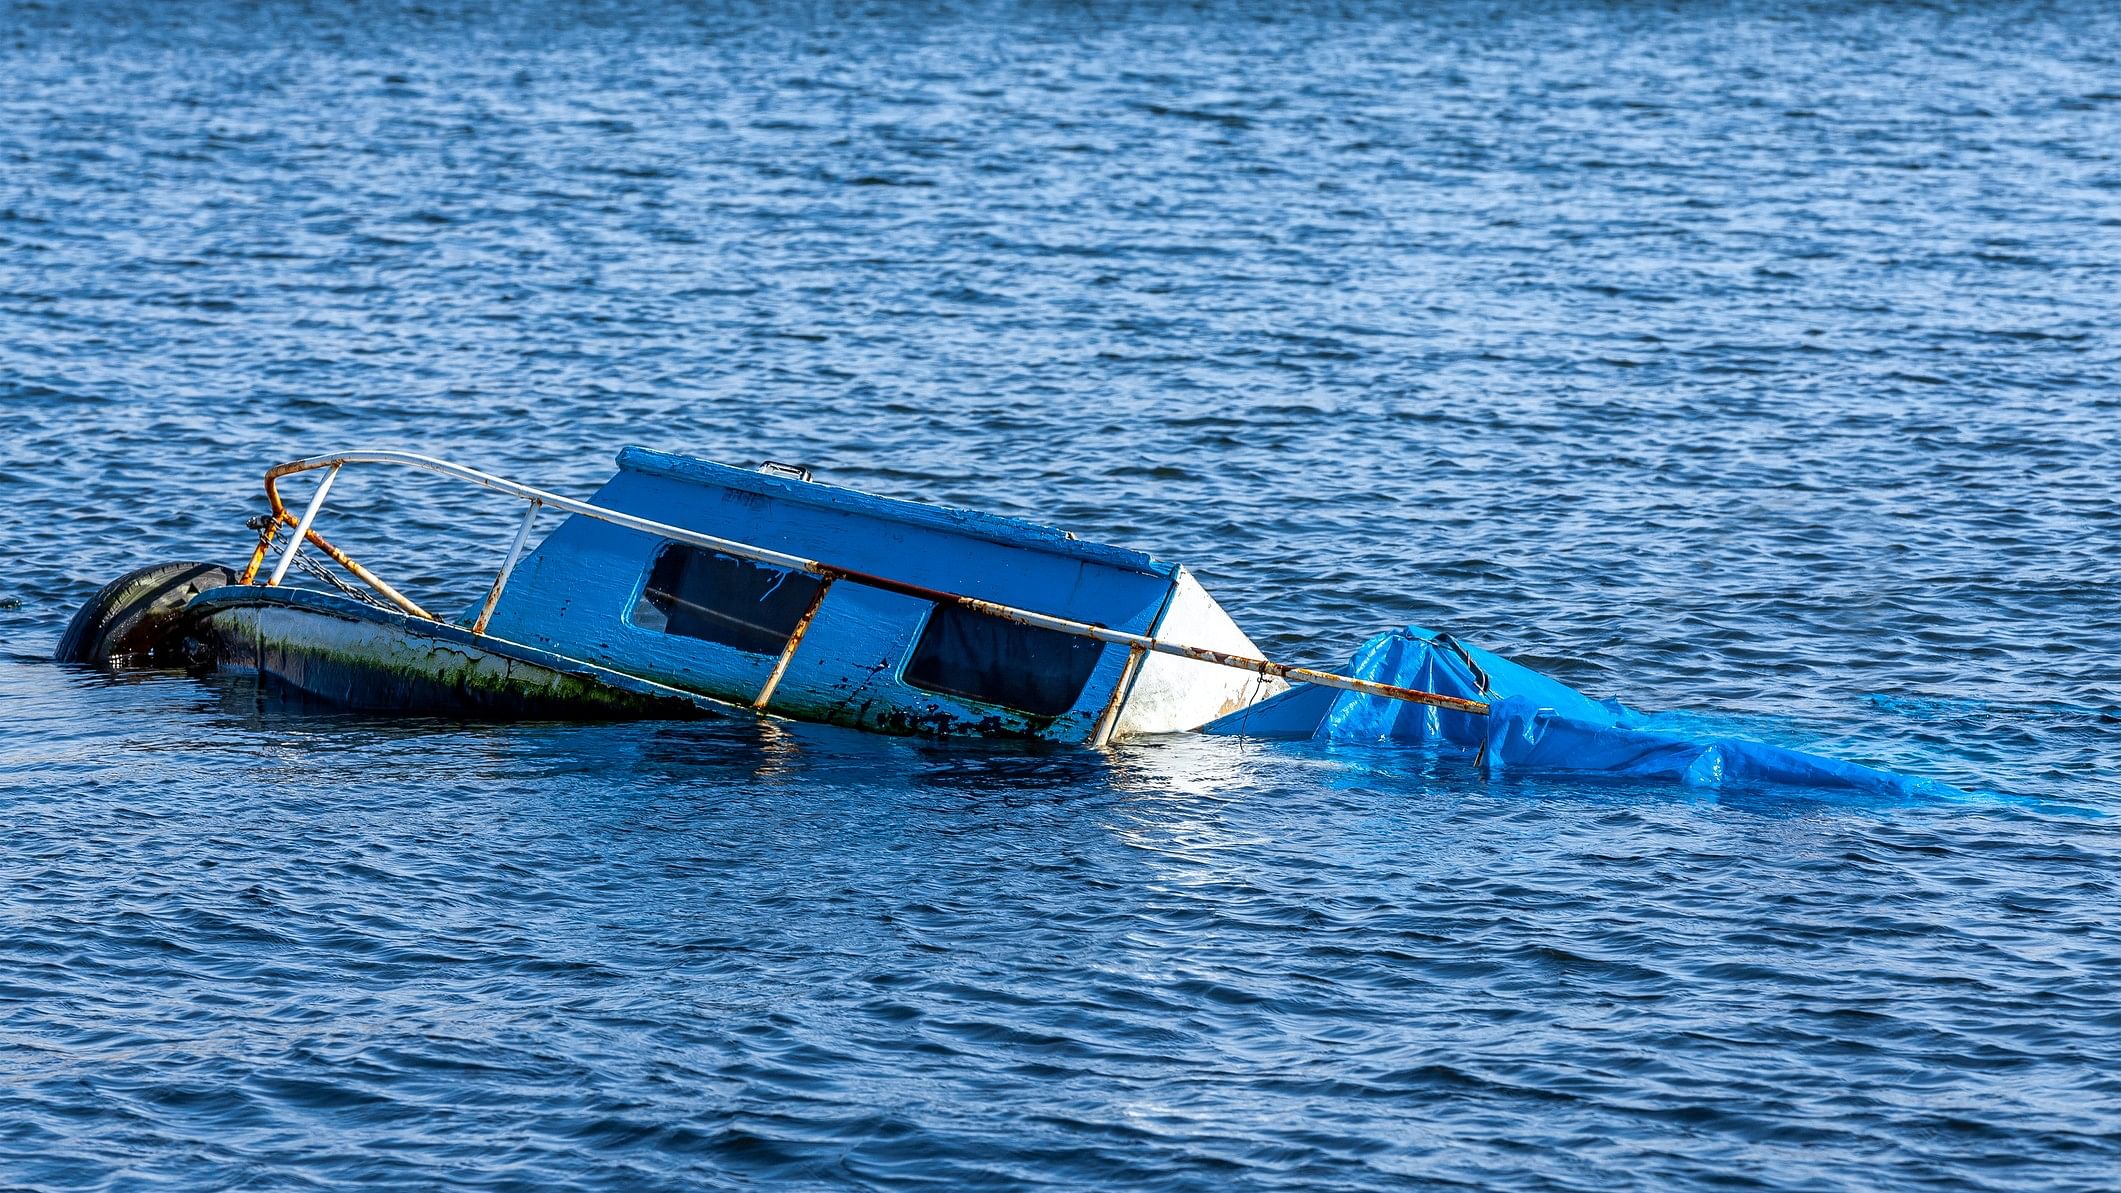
[330,577]
[268,529]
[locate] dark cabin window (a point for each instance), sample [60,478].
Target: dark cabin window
[696,593]
[984,658]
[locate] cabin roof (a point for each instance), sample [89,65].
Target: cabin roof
[1014,532]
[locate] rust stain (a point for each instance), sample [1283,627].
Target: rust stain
[795,639]
[1110,717]
[268,528]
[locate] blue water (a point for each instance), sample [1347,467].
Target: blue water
[1748,358]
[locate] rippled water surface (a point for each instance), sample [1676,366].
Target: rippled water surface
[1748,358]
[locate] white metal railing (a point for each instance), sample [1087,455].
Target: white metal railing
[305,531]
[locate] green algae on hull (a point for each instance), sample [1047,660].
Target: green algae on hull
[357,663]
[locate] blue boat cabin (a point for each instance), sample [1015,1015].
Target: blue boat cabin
[845,652]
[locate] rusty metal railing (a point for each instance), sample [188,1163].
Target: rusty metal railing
[305,531]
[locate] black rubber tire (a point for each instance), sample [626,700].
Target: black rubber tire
[135,616]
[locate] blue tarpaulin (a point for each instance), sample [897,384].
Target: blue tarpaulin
[1536,722]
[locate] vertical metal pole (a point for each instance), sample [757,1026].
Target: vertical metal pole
[1109,719]
[795,639]
[309,515]
[500,580]
[257,555]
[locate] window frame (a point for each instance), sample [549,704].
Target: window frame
[665,548]
[1096,650]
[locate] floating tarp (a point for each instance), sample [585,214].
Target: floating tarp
[1536,722]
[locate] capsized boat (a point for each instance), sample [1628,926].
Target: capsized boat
[690,588]
[685,587]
